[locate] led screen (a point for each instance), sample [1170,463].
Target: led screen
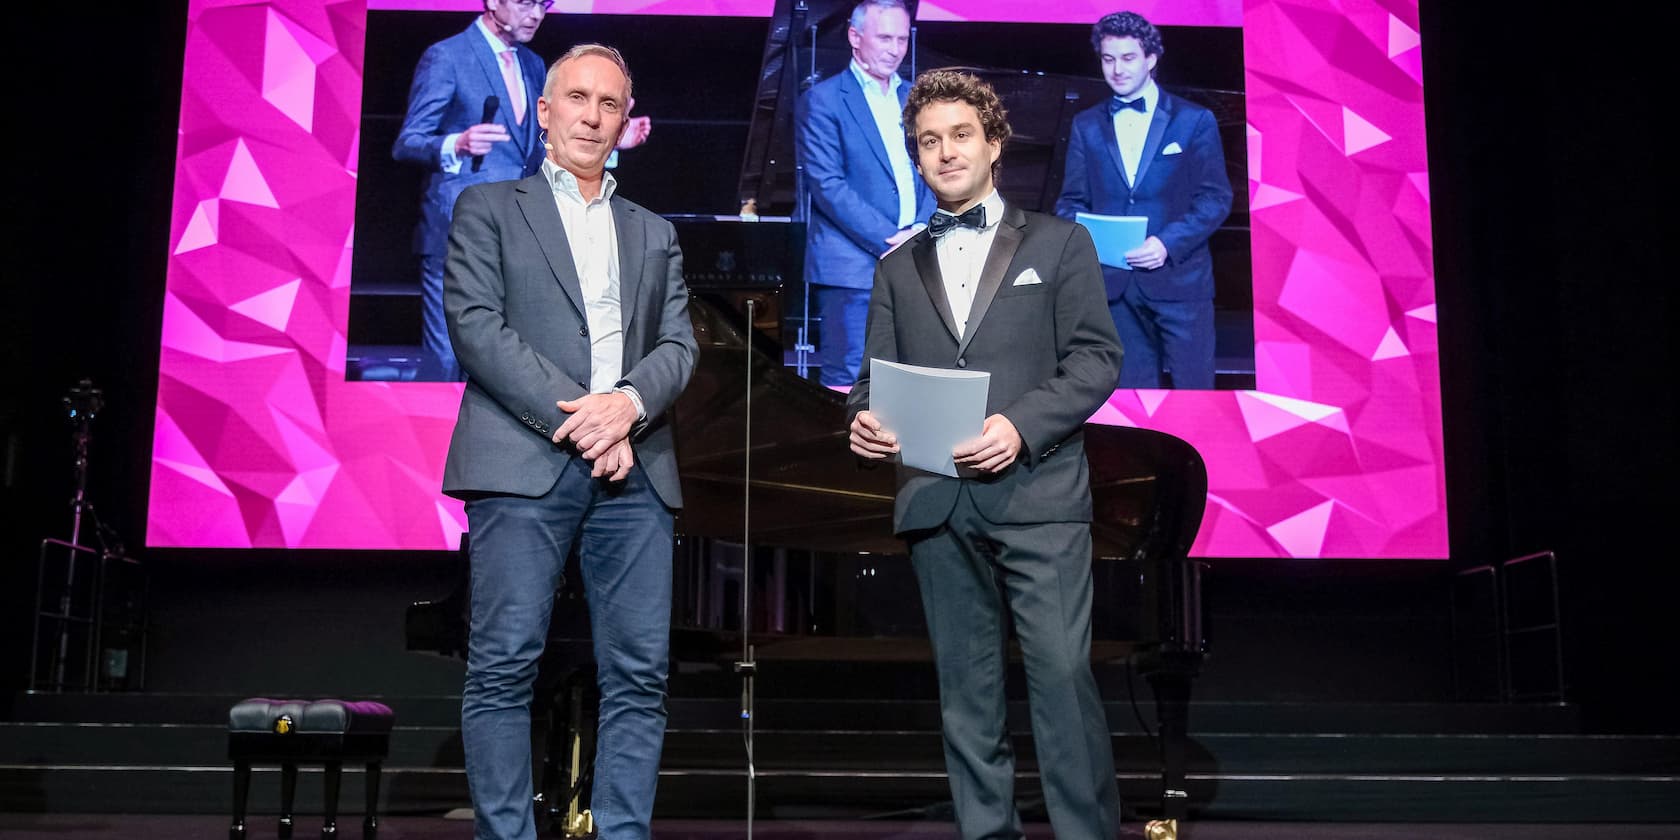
[262,441]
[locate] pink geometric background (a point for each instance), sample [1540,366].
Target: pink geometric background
[261,442]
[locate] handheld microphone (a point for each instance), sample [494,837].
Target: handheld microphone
[491,103]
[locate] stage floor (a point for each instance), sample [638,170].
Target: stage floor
[161,827]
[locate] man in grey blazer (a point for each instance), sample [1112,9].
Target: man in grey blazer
[989,287]
[567,309]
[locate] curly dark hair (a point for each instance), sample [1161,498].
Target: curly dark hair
[955,86]
[1127,25]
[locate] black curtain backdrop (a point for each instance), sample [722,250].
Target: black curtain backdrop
[1553,275]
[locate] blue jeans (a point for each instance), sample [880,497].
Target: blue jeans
[519,548]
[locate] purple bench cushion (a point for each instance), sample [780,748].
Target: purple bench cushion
[258,714]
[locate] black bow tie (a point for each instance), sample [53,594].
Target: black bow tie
[943,222]
[1116,105]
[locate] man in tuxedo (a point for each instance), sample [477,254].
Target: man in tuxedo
[865,197]
[469,121]
[1146,152]
[990,287]
[567,309]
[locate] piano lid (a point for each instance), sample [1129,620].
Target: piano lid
[809,492]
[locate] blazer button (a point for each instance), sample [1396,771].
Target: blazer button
[583,331]
[962,363]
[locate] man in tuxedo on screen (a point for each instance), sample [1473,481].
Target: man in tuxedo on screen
[471,121]
[1146,152]
[865,197]
[990,287]
[567,308]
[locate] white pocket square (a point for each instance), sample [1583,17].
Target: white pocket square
[1173,149]
[1027,278]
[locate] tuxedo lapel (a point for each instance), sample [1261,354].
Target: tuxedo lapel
[1005,243]
[1111,142]
[1157,128]
[922,248]
[536,203]
[627,224]
[852,93]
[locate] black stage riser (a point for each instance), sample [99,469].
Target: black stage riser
[876,751]
[854,758]
[801,795]
[711,712]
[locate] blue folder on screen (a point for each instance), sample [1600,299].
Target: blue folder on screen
[1115,235]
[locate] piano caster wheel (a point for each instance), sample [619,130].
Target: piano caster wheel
[1161,830]
[580,825]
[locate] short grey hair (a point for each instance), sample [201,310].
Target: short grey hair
[861,11]
[582,50]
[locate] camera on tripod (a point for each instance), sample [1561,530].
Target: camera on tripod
[90,616]
[84,401]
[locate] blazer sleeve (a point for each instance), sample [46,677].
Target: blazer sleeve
[1210,201]
[825,173]
[494,356]
[660,376]
[1089,355]
[1075,197]
[421,136]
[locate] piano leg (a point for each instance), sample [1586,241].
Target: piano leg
[1170,675]
[549,782]
[567,754]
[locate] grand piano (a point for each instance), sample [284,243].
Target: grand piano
[822,526]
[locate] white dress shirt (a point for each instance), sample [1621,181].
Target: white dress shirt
[889,120]
[594,244]
[1131,129]
[962,255]
[450,162]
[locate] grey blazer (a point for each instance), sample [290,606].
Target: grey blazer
[516,318]
[1050,347]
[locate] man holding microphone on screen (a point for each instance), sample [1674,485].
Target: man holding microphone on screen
[990,287]
[471,120]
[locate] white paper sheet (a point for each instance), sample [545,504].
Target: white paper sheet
[931,410]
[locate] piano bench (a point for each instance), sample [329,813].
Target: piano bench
[287,732]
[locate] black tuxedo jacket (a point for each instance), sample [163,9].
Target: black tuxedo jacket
[1050,347]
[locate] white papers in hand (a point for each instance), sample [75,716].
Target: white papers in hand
[1115,235]
[931,410]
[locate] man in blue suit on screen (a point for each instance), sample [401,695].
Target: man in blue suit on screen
[1145,152]
[865,196]
[472,120]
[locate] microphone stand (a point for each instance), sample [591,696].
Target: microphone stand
[803,349]
[747,666]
